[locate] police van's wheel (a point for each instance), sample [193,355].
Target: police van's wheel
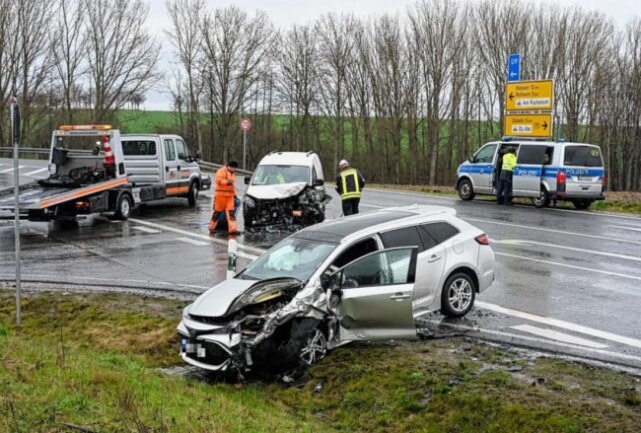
[543,200]
[192,195]
[458,295]
[582,204]
[465,190]
[123,207]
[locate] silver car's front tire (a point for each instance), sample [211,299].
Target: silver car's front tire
[315,348]
[458,295]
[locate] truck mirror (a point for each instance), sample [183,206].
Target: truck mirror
[318,182]
[199,155]
[247,180]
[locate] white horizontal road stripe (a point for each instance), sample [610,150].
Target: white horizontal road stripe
[40,170]
[538,340]
[561,324]
[193,242]
[198,236]
[146,230]
[627,228]
[606,238]
[372,205]
[581,268]
[558,336]
[563,247]
[9,170]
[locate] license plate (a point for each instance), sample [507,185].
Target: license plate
[585,178]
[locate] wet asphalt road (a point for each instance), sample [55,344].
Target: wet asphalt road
[567,281]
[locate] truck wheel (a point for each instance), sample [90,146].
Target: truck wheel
[458,295]
[582,204]
[465,190]
[123,207]
[543,200]
[192,195]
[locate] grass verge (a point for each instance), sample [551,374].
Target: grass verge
[92,362]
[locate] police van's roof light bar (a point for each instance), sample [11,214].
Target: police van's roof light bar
[84,127]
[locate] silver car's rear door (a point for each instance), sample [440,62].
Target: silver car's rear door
[376,295]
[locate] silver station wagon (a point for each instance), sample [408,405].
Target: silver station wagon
[363,277]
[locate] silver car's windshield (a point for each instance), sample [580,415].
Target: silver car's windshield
[293,257]
[277,174]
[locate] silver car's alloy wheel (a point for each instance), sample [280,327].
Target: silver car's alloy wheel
[315,348]
[459,295]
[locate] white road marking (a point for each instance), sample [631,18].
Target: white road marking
[626,228]
[563,247]
[146,230]
[40,170]
[372,205]
[193,242]
[9,170]
[198,236]
[564,265]
[539,340]
[551,230]
[558,336]
[604,335]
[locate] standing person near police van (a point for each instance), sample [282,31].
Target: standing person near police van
[504,191]
[224,196]
[349,185]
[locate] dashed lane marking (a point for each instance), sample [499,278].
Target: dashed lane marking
[563,247]
[40,170]
[634,229]
[193,242]
[9,170]
[147,230]
[558,336]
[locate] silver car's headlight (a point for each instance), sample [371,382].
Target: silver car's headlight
[186,311]
[249,202]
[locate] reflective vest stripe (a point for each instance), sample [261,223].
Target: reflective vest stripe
[350,194]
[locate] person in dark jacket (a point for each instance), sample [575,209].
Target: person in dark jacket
[349,185]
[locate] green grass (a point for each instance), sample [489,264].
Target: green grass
[91,360]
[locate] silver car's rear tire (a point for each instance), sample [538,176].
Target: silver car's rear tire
[458,295]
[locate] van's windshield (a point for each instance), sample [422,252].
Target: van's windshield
[277,174]
[582,156]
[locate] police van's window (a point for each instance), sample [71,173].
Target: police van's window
[583,156]
[531,154]
[549,153]
[485,154]
[139,148]
[440,231]
[405,237]
[170,153]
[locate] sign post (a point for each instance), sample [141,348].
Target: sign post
[245,125]
[14,112]
[514,68]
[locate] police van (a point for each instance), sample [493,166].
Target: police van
[545,171]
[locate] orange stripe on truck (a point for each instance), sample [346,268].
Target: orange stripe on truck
[83,192]
[177,190]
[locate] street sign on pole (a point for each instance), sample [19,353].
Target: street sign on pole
[514,68]
[528,125]
[245,125]
[14,111]
[529,95]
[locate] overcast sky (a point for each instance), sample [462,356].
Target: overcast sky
[286,12]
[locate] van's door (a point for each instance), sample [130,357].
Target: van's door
[171,167]
[480,168]
[188,167]
[528,172]
[376,295]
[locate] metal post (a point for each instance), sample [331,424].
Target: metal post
[15,125]
[244,150]
[232,251]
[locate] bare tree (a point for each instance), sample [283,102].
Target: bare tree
[122,54]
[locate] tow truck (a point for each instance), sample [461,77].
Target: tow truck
[96,169]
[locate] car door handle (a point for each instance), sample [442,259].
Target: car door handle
[399,296]
[434,258]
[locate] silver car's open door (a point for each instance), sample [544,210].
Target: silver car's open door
[373,295]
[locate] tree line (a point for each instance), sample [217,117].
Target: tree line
[405,97]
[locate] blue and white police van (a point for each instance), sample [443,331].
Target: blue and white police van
[545,171]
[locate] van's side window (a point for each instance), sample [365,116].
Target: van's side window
[485,154]
[181,149]
[549,154]
[170,153]
[532,154]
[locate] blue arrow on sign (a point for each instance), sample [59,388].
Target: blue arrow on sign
[514,68]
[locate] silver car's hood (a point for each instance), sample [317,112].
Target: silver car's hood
[278,191]
[216,301]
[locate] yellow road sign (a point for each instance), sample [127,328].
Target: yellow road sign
[529,95]
[528,125]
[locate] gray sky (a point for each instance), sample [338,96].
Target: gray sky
[286,12]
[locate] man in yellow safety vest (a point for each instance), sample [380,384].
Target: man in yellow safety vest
[349,185]
[504,191]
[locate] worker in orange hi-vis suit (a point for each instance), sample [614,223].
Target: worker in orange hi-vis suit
[224,196]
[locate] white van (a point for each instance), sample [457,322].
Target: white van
[286,191]
[544,171]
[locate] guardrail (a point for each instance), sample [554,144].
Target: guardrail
[214,167]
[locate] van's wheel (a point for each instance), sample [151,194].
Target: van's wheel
[543,200]
[465,190]
[123,207]
[458,295]
[582,204]
[192,195]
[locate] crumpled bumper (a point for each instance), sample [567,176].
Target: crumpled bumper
[212,352]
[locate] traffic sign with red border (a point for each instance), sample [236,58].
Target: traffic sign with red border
[245,124]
